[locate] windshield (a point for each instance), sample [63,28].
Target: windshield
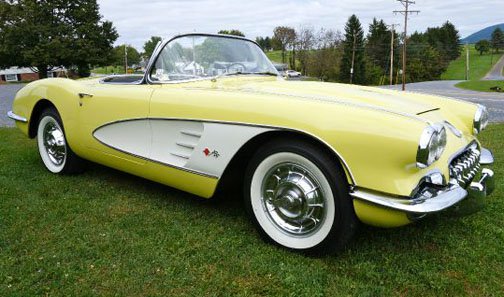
[196,56]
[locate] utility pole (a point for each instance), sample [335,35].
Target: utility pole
[467,62]
[406,13]
[353,58]
[125,59]
[392,31]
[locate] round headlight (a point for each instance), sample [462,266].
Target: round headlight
[480,119]
[431,146]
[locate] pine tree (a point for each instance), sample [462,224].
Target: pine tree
[353,43]
[378,44]
[497,39]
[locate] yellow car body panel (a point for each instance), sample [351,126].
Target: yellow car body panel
[375,132]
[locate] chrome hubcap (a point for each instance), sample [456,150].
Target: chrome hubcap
[293,199]
[54,143]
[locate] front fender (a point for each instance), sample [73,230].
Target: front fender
[60,92]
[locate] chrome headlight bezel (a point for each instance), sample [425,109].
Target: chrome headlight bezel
[480,121]
[431,145]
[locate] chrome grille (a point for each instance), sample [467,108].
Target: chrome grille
[465,166]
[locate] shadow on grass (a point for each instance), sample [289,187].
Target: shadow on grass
[423,235]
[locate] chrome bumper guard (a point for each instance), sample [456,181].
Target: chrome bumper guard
[16,117]
[432,198]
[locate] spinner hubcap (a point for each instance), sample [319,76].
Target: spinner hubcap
[293,199]
[54,143]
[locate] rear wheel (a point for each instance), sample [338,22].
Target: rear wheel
[298,197]
[54,151]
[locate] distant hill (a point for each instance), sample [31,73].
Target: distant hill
[482,34]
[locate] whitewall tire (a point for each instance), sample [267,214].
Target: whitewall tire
[53,147]
[297,196]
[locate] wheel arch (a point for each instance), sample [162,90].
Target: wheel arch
[233,175]
[37,110]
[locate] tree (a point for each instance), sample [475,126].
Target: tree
[378,47]
[276,45]
[286,37]
[133,55]
[43,34]
[446,40]
[306,40]
[482,46]
[150,45]
[424,62]
[267,43]
[353,45]
[324,61]
[497,39]
[231,32]
[264,43]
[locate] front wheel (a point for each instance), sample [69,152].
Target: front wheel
[54,151]
[298,197]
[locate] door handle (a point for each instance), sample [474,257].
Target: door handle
[82,95]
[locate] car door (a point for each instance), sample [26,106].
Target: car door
[113,123]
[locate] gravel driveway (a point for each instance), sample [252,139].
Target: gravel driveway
[7,93]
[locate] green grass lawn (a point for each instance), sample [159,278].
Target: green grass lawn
[105,233]
[480,85]
[109,70]
[479,66]
[276,56]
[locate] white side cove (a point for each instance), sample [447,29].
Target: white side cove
[201,147]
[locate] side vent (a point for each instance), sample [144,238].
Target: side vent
[186,144]
[191,133]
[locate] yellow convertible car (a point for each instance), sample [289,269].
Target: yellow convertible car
[313,158]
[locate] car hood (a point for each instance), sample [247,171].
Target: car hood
[387,100]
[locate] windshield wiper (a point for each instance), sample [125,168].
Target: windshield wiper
[250,73]
[266,73]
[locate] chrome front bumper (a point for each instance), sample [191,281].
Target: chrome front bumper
[16,117]
[433,198]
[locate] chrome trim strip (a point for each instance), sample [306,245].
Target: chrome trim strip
[155,161]
[486,157]
[16,117]
[442,200]
[327,99]
[453,129]
[338,155]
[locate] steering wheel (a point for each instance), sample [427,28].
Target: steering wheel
[236,67]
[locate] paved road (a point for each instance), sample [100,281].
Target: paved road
[496,72]
[7,93]
[493,101]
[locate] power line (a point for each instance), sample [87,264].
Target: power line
[406,13]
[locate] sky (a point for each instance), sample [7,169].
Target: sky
[137,20]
